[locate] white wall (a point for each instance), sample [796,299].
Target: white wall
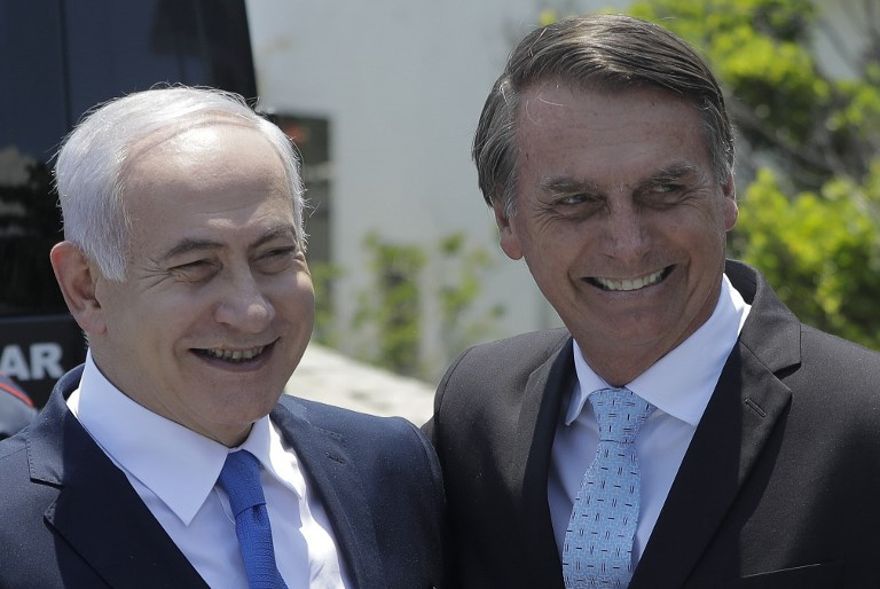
[402,82]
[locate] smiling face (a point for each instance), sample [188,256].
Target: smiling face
[620,219]
[217,305]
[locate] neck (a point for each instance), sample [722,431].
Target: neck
[618,370]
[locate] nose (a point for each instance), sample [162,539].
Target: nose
[244,306]
[626,233]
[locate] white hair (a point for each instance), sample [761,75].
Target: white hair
[89,170]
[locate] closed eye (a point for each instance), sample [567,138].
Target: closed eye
[280,252]
[578,204]
[663,194]
[277,259]
[195,271]
[571,199]
[666,188]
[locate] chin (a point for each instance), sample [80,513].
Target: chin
[238,403]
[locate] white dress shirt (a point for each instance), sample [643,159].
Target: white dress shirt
[679,385]
[174,471]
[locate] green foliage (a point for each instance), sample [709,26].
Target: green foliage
[822,251]
[393,306]
[389,313]
[324,275]
[811,224]
[811,125]
[461,276]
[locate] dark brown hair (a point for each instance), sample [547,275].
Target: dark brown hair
[607,52]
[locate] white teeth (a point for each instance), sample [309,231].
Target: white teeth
[630,284]
[235,355]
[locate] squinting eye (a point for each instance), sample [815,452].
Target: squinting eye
[191,266]
[283,252]
[665,188]
[572,199]
[195,271]
[278,259]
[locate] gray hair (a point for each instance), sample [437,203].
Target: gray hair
[90,166]
[609,52]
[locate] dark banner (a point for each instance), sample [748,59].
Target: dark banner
[37,350]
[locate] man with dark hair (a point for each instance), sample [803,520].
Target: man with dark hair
[16,408]
[684,429]
[171,457]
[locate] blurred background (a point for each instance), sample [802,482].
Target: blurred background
[382,99]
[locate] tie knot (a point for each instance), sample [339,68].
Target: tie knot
[620,414]
[240,478]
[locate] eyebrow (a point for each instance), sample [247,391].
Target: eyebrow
[565,184]
[188,245]
[673,172]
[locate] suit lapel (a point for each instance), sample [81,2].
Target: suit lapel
[737,423]
[529,464]
[334,477]
[97,512]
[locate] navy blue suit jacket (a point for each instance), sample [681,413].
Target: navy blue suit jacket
[16,408]
[71,519]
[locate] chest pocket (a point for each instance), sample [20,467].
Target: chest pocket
[813,576]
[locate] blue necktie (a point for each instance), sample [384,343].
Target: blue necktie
[240,478]
[597,553]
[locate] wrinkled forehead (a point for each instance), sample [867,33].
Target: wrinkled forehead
[168,137]
[558,104]
[211,151]
[212,182]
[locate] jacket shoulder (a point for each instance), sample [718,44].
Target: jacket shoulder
[505,359]
[340,421]
[389,466]
[389,445]
[838,372]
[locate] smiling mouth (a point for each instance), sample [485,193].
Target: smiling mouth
[234,355]
[630,284]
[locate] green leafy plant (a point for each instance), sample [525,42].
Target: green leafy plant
[389,313]
[393,305]
[463,270]
[324,276]
[809,217]
[821,250]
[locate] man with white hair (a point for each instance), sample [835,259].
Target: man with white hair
[171,457]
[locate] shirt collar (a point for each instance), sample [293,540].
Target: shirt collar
[177,464]
[681,382]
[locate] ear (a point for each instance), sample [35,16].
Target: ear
[77,277]
[731,209]
[509,240]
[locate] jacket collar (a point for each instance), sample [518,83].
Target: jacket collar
[733,433]
[540,415]
[330,468]
[96,510]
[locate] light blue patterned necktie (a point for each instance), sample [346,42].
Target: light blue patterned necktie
[240,478]
[597,553]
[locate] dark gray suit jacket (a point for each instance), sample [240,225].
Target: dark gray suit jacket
[779,487]
[69,518]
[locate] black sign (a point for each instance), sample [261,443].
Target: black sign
[37,350]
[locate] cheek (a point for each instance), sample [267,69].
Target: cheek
[296,299]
